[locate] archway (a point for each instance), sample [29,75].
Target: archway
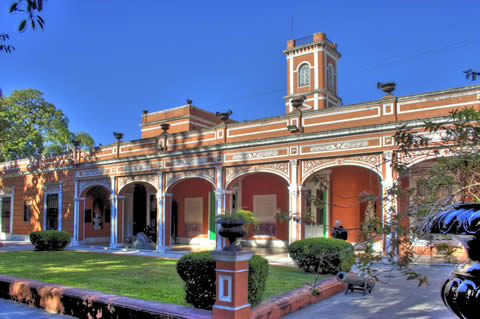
[423,194]
[139,209]
[348,193]
[266,195]
[95,215]
[191,217]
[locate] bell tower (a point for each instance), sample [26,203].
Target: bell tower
[312,72]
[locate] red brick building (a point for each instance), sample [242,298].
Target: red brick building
[177,180]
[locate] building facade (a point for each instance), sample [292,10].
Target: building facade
[178,177]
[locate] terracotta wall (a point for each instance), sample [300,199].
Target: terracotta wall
[347,182]
[264,184]
[30,188]
[192,187]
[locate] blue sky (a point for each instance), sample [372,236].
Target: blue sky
[103,62]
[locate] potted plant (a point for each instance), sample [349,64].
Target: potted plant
[233,226]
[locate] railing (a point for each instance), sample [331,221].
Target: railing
[304,40]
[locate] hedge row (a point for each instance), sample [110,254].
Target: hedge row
[198,272]
[49,239]
[324,255]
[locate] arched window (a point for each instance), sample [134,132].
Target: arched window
[331,78]
[304,75]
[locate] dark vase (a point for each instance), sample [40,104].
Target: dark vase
[388,87]
[461,292]
[232,229]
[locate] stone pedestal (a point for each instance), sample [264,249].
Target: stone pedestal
[232,284]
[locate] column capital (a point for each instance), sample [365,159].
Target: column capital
[219,193]
[294,190]
[388,155]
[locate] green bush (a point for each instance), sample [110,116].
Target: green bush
[49,239]
[257,279]
[198,272]
[324,255]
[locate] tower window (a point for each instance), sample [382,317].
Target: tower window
[331,78]
[304,75]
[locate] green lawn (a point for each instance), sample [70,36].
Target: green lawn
[134,276]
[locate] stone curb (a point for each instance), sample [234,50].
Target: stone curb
[281,305]
[83,303]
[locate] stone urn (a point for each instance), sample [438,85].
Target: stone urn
[232,229]
[387,87]
[461,292]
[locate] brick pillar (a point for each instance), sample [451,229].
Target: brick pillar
[232,284]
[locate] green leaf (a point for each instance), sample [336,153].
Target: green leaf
[13,7]
[21,27]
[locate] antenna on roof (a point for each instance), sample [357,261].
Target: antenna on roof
[291,27]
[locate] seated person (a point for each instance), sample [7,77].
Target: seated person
[339,232]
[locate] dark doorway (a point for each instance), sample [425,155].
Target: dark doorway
[139,208]
[5,215]
[174,221]
[52,212]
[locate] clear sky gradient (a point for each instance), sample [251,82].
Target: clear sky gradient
[103,62]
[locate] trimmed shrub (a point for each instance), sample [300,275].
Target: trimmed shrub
[49,239]
[198,272]
[257,279]
[324,255]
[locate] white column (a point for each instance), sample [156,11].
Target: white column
[83,221]
[160,216]
[316,72]
[164,218]
[12,199]
[113,217]
[123,218]
[60,213]
[290,68]
[113,221]
[44,209]
[76,215]
[160,222]
[293,196]
[218,205]
[389,207]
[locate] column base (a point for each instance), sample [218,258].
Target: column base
[231,313]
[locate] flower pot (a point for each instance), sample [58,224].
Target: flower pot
[232,230]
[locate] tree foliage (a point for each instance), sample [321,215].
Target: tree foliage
[29,10]
[30,125]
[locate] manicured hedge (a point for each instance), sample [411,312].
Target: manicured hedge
[198,272]
[324,255]
[257,279]
[50,239]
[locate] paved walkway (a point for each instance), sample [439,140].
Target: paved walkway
[10,309]
[399,298]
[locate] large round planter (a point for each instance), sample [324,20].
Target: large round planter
[461,292]
[232,229]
